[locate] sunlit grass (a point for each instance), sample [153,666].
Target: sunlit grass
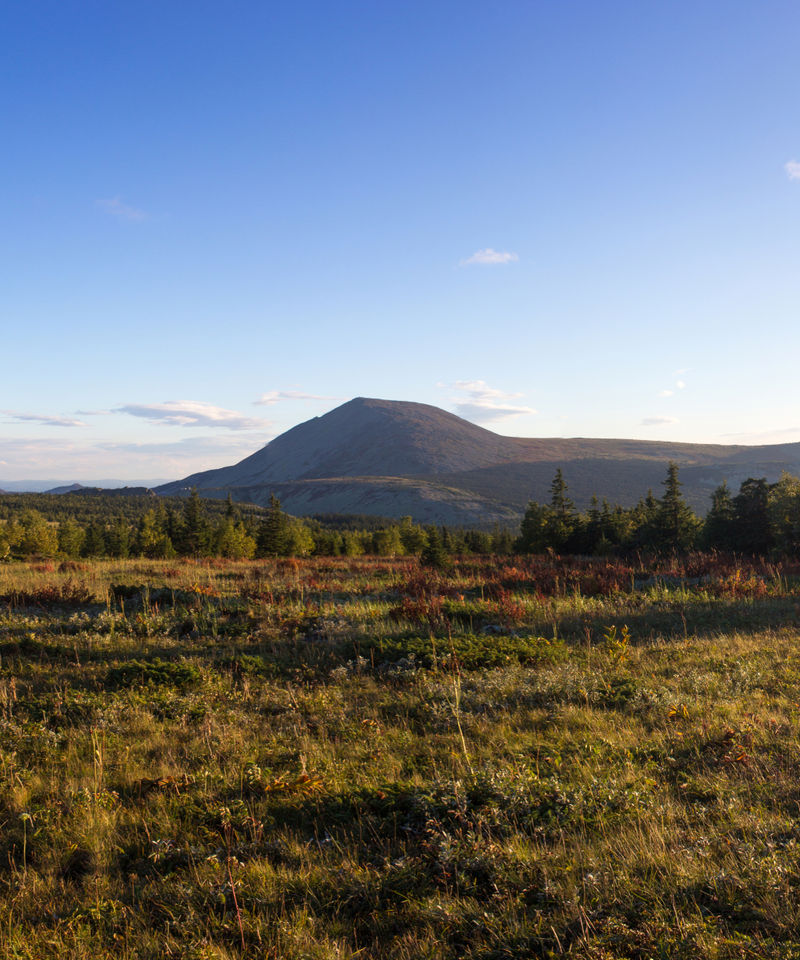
[289,755]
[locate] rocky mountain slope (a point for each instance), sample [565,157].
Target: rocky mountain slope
[393,458]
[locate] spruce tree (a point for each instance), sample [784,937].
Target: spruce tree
[676,525]
[784,515]
[719,525]
[434,553]
[118,539]
[194,530]
[70,538]
[273,534]
[412,535]
[533,531]
[502,541]
[562,521]
[592,530]
[752,532]
[94,543]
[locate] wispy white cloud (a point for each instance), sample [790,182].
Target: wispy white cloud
[658,421]
[679,385]
[231,446]
[792,169]
[489,258]
[28,455]
[192,413]
[51,421]
[275,396]
[480,402]
[123,211]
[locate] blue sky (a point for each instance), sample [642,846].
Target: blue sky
[557,219]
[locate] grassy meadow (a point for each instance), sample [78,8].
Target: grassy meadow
[340,758]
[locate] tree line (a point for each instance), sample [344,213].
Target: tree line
[200,528]
[761,519]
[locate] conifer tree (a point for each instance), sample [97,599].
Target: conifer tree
[533,531]
[562,521]
[675,524]
[94,543]
[194,530]
[118,539]
[412,536]
[502,541]
[751,517]
[784,515]
[273,534]
[719,528]
[592,529]
[70,538]
[434,554]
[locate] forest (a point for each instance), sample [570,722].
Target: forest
[38,525]
[761,519]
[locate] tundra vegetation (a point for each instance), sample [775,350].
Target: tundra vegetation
[442,756]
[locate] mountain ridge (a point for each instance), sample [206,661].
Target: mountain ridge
[398,457]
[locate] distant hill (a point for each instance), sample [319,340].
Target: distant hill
[62,486]
[395,458]
[101,491]
[102,506]
[108,492]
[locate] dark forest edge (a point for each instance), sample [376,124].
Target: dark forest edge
[762,519]
[38,525]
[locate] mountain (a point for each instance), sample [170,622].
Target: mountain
[62,486]
[394,458]
[110,491]
[367,438]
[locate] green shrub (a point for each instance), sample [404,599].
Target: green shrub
[137,673]
[469,652]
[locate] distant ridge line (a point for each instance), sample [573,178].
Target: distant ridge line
[398,457]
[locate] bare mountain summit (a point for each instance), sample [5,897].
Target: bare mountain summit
[366,438]
[394,458]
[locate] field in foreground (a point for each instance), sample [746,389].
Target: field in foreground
[338,758]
